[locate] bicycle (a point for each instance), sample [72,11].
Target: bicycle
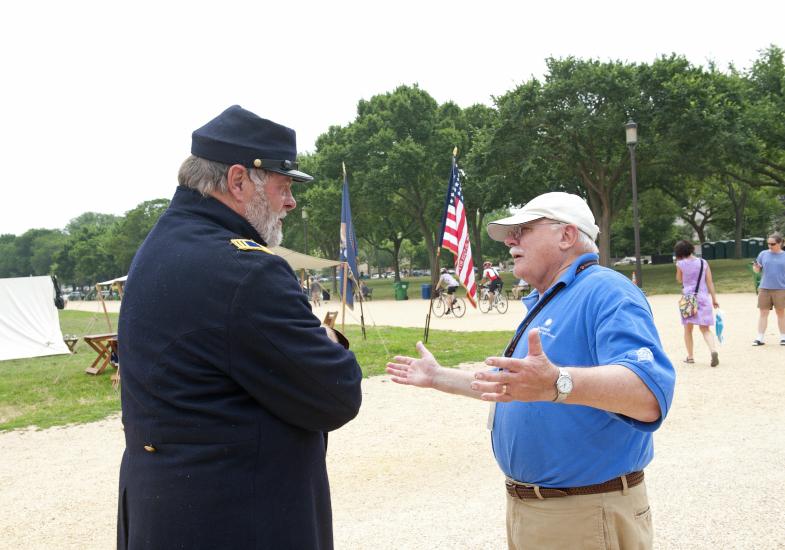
[439,304]
[499,300]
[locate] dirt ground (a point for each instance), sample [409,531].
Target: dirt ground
[415,469]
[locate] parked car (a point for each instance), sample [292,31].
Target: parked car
[75,295]
[628,260]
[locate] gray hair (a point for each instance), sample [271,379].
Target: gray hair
[206,176]
[588,245]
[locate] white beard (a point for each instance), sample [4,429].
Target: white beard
[263,219]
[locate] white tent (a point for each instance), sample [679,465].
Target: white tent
[29,324]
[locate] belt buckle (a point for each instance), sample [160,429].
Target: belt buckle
[519,488]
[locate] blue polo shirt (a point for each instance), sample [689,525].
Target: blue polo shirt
[598,318]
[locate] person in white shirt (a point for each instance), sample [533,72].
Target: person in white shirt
[448,281]
[490,274]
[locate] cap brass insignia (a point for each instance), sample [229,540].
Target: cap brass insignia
[248,244]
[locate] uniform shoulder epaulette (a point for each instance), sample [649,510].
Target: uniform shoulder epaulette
[248,244]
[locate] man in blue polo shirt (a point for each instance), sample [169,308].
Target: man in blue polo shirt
[578,392]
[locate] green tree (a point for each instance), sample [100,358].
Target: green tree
[31,253]
[46,246]
[397,153]
[84,259]
[8,259]
[764,121]
[567,134]
[128,233]
[657,215]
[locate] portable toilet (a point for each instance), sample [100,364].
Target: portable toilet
[719,250]
[757,244]
[745,248]
[707,251]
[730,249]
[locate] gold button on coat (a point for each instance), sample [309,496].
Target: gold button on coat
[149,448]
[257,163]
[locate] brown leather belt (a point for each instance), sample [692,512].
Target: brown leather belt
[524,491]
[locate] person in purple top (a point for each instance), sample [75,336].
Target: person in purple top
[688,269]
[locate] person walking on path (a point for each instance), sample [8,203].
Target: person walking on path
[579,391]
[771,293]
[688,270]
[316,292]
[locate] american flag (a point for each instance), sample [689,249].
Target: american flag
[455,234]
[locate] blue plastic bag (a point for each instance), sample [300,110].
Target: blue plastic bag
[719,324]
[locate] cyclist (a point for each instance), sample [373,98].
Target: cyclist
[494,280]
[448,281]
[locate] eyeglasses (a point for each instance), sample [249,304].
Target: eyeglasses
[773,244]
[519,230]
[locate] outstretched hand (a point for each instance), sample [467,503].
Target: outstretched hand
[411,371]
[532,378]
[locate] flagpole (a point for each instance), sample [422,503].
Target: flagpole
[343,297]
[439,240]
[362,313]
[430,302]
[345,269]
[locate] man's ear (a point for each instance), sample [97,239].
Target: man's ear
[569,236]
[235,179]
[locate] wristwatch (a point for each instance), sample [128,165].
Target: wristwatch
[563,385]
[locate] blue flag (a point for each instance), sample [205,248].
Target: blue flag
[348,244]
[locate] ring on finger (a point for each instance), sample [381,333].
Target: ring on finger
[504,389]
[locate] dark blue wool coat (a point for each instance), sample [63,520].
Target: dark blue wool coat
[229,385]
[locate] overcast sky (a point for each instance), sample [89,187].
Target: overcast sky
[99,98]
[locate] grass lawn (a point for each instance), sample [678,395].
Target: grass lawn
[54,390]
[729,276]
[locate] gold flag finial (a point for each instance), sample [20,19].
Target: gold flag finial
[343,164]
[455,152]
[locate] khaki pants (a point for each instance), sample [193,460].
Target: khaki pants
[604,521]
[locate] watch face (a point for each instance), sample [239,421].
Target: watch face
[564,384]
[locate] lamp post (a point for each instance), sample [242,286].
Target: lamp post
[305,229]
[632,140]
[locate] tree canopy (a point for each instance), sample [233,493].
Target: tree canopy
[711,163]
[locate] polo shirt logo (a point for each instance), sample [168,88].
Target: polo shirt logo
[545,328]
[645,354]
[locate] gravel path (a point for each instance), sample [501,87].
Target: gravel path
[415,469]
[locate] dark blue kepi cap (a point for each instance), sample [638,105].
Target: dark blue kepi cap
[237,136]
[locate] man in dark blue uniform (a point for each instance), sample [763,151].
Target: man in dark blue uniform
[230,384]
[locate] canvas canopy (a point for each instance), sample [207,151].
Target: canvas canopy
[302,261]
[119,284]
[29,324]
[113,281]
